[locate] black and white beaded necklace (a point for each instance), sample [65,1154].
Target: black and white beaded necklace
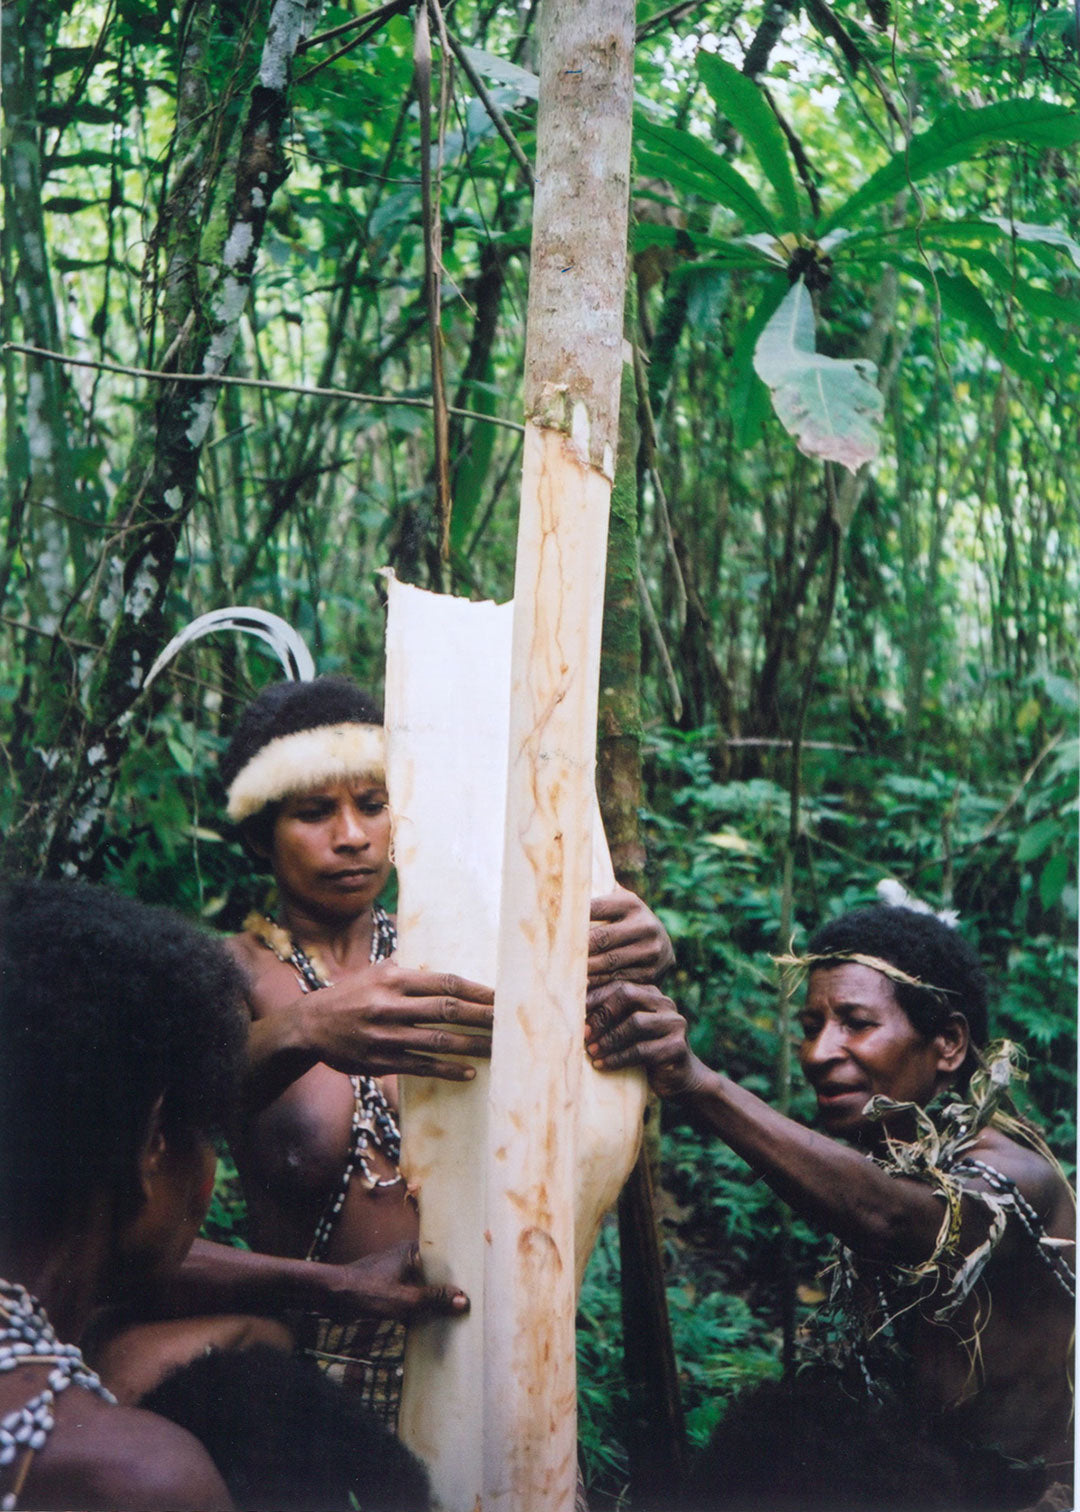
[27,1338]
[373,1121]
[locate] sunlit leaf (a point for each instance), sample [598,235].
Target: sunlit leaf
[744,105]
[503,72]
[1038,838]
[957,135]
[830,405]
[665,152]
[1052,879]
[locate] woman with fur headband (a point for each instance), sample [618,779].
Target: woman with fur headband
[334,1021]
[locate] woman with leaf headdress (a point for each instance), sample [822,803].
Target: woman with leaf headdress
[955,1229]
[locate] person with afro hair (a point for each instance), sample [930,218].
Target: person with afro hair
[123,1036]
[333,1022]
[954,1227]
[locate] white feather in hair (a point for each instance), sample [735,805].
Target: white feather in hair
[285,642]
[895,895]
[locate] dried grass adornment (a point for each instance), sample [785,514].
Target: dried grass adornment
[936,1156]
[801,964]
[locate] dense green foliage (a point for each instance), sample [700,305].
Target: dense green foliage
[898,649]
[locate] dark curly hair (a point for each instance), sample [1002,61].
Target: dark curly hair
[106,1005]
[284,1435]
[287,708]
[922,946]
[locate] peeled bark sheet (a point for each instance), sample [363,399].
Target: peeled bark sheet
[447,723]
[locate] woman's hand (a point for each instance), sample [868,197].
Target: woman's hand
[626,941]
[634,1024]
[390,1284]
[385,1020]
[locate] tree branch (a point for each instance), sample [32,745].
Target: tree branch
[228,380]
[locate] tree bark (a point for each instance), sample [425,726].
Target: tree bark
[573,364]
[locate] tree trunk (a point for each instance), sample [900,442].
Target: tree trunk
[80,743]
[573,364]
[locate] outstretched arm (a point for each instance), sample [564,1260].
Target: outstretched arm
[880,1216]
[216,1278]
[376,1021]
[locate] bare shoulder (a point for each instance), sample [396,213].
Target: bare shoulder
[1036,1179]
[271,983]
[122,1459]
[245,951]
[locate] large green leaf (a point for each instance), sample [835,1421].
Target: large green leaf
[667,153]
[1051,236]
[503,72]
[1041,303]
[830,405]
[963,301]
[966,231]
[956,135]
[744,105]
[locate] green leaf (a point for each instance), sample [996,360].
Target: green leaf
[967,231]
[1038,302]
[744,105]
[1052,879]
[667,153]
[962,300]
[957,135]
[748,400]
[67,204]
[60,115]
[184,758]
[734,258]
[1038,838]
[831,406]
[1051,236]
[503,72]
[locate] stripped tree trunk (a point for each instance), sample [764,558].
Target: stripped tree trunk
[573,363]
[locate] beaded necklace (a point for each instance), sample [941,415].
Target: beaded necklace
[27,1338]
[373,1121]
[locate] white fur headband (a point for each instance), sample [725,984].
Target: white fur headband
[304,761]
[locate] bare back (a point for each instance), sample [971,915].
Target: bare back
[1001,1369]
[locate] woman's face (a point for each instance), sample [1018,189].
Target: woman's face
[858,1043]
[330,849]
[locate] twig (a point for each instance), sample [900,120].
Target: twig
[376,18]
[430,186]
[380,13]
[661,647]
[498,120]
[806,745]
[254,383]
[673,13]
